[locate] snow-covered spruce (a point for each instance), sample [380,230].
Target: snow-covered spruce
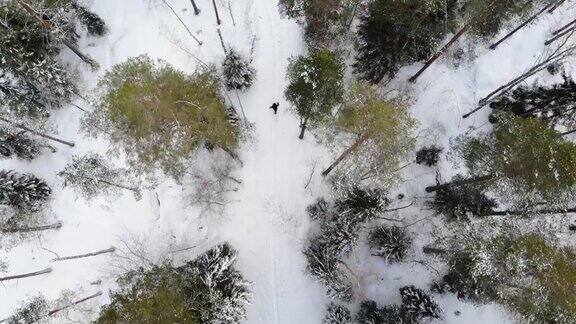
[462,202]
[362,203]
[18,145]
[389,242]
[370,313]
[91,175]
[326,268]
[206,290]
[93,23]
[31,311]
[222,291]
[238,73]
[418,304]
[319,210]
[428,155]
[337,314]
[23,191]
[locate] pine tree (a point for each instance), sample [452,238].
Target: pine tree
[159,115]
[91,175]
[418,304]
[428,155]
[553,104]
[205,290]
[337,314]
[315,86]
[382,131]
[369,313]
[23,191]
[460,202]
[93,23]
[238,73]
[389,242]
[397,33]
[18,145]
[522,158]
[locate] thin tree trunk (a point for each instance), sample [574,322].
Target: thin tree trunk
[182,22]
[196,10]
[561,29]
[568,132]
[48,25]
[560,35]
[459,183]
[241,107]
[85,255]
[26,275]
[303,126]
[222,41]
[346,153]
[520,212]
[558,4]
[216,12]
[54,311]
[441,51]
[231,13]
[433,250]
[31,229]
[117,185]
[233,155]
[21,126]
[529,20]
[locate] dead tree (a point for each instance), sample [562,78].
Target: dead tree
[54,226]
[196,10]
[28,129]
[85,255]
[524,212]
[561,29]
[522,25]
[558,4]
[560,35]
[556,56]
[459,183]
[182,22]
[216,12]
[56,310]
[231,13]
[46,24]
[441,51]
[26,275]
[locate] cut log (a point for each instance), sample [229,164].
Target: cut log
[32,228]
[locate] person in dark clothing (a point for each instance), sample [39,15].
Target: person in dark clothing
[275,107]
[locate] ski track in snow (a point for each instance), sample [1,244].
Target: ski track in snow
[266,222]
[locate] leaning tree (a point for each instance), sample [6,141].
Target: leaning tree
[315,87]
[524,159]
[91,175]
[381,132]
[159,115]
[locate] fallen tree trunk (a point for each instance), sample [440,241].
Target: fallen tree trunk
[26,275]
[32,228]
[54,311]
[85,255]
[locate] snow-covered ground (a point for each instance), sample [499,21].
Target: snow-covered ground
[266,220]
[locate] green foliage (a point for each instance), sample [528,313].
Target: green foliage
[205,290]
[32,311]
[394,33]
[315,85]
[148,297]
[386,124]
[325,20]
[490,16]
[160,115]
[524,272]
[532,156]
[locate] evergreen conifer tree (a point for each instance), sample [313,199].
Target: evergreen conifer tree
[238,74]
[428,155]
[23,191]
[418,304]
[30,312]
[362,203]
[337,314]
[91,175]
[389,242]
[159,115]
[315,86]
[18,145]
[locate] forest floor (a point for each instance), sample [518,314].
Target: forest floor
[266,219]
